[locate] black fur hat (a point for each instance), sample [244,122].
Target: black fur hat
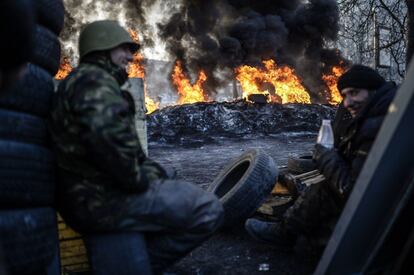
[360,76]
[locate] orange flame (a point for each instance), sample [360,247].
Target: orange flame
[135,68]
[64,69]
[287,86]
[330,81]
[150,104]
[188,93]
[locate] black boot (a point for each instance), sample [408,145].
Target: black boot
[271,233]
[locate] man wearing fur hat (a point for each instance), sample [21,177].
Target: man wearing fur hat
[315,212]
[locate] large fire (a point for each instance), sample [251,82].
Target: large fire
[150,104]
[279,84]
[330,81]
[136,69]
[285,86]
[189,93]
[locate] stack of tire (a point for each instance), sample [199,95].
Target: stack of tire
[28,227]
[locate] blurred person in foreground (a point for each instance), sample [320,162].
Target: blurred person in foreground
[366,96]
[106,182]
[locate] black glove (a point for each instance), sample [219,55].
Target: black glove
[319,151]
[334,168]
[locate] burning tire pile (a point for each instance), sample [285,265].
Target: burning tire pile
[211,121]
[27,181]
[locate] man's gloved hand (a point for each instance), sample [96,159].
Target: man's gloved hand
[333,167]
[326,159]
[319,151]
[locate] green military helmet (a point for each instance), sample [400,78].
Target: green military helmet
[104,35]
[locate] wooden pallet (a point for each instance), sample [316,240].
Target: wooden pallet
[73,257]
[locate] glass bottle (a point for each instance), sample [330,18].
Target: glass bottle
[326,136]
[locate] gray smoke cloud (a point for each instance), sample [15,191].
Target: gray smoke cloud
[130,13]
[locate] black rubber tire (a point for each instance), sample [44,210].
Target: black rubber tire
[301,164]
[22,127]
[33,94]
[244,185]
[29,240]
[26,175]
[50,13]
[46,52]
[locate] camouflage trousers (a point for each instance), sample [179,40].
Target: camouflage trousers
[314,215]
[174,216]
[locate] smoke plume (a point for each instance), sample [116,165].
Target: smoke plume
[220,35]
[214,35]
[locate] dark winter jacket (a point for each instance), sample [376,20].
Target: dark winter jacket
[340,123]
[342,167]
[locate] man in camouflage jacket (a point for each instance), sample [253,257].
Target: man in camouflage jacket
[105,181]
[315,212]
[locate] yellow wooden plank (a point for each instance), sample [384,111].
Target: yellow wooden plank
[71,243]
[69,269]
[68,234]
[72,252]
[73,255]
[74,260]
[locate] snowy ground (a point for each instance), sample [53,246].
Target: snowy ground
[233,253]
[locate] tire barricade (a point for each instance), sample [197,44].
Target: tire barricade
[29,243]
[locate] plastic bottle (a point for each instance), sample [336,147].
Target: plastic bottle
[326,136]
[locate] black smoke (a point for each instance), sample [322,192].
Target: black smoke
[220,34]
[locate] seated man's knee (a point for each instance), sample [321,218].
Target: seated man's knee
[208,214]
[189,207]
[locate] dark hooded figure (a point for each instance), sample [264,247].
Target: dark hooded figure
[315,212]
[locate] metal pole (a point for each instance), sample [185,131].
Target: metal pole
[138,93]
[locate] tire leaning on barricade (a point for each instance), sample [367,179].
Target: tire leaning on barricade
[243,185]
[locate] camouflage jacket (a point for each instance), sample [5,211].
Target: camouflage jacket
[94,136]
